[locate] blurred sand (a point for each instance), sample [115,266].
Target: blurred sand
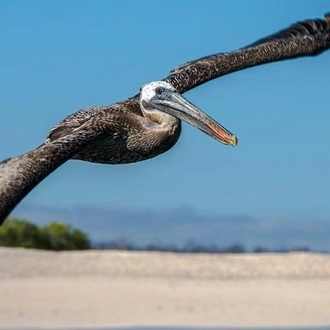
[39,288]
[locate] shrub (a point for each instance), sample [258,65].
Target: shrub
[61,236]
[17,232]
[53,236]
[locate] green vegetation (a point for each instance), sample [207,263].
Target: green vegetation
[53,236]
[60,236]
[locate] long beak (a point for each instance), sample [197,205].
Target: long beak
[178,106]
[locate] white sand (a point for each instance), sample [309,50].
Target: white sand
[97,288]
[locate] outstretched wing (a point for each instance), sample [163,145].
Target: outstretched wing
[19,175]
[307,38]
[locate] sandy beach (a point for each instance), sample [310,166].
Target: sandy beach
[107,288]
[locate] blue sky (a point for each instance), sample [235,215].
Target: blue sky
[61,56]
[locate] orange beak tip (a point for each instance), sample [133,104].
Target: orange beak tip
[235,141]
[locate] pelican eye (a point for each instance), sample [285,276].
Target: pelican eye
[159,90]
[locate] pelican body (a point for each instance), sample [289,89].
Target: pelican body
[135,137]
[143,127]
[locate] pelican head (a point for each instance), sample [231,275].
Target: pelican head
[162,96]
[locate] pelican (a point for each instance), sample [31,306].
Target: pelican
[129,131]
[155,130]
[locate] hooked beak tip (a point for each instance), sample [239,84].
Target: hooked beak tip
[234,141]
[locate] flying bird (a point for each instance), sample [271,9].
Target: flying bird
[136,137]
[129,131]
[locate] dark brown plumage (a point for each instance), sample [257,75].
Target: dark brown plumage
[99,134]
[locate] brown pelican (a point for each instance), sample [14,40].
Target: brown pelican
[89,133]
[139,136]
